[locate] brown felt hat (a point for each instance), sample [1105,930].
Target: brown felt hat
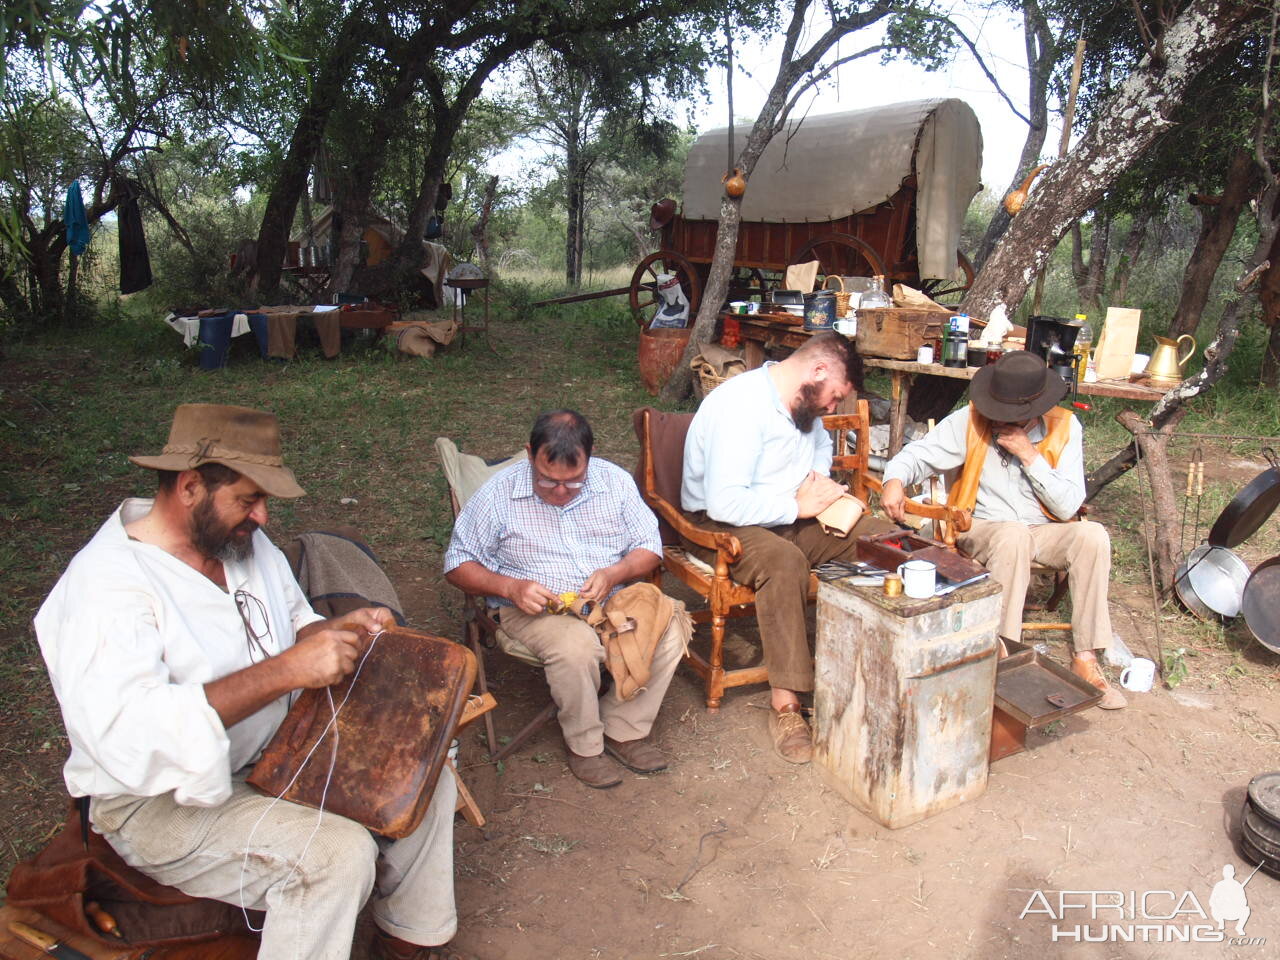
[660,213]
[247,441]
[1016,387]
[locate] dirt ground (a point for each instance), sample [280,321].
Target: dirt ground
[733,853]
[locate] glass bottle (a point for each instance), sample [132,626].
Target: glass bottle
[876,297]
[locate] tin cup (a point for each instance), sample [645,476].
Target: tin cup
[892,585]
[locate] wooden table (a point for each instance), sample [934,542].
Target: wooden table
[764,331]
[903,372]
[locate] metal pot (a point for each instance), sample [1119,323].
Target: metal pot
[1261,604]
[1210,582]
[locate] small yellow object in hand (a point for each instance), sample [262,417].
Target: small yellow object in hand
[563,603]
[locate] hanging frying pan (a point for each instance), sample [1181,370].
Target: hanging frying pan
[1250,508]
[1261,604]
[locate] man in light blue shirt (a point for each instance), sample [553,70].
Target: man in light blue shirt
[565,522]
[756,464]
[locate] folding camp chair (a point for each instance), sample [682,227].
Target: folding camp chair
[465,474]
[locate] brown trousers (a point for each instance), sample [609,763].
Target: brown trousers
[775,562]
[1081,548]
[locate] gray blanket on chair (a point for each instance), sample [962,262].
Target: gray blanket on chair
[339,573]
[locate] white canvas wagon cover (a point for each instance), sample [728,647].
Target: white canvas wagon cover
[830,166]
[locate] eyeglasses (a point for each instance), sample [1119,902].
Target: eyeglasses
[543,483]
[257,627]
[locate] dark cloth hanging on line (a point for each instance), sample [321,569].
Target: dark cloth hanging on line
[135,265]
[77,222]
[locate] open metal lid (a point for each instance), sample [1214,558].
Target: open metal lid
[1250,508]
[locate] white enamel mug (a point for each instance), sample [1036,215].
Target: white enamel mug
[918,578]
[1139,675]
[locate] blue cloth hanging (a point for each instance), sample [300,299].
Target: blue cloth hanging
[77,222]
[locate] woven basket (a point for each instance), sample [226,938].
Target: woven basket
[842,295]
[708,381]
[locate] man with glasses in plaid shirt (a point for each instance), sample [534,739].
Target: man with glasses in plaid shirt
[565,522]
[175,640]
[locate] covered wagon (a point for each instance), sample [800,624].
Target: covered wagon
[880,191]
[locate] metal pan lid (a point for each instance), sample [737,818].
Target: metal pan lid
[1250,508]
[1264,794]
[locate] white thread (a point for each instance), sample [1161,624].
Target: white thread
[324,793]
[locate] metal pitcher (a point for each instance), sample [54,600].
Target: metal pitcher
[1166,364]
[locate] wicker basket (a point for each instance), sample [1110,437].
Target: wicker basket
[842,295]
[708,381]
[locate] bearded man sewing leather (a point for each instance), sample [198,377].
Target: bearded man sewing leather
[564,522]
[757,464]
[1016,463]
[174,640]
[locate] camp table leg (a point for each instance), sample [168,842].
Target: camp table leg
[901,391]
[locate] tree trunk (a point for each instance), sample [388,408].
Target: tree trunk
[1271,359]
[1091,277]
[1218,226]
[480,232]
[573,200]
[1040,47]
[327,88]
[1128,122]
[1163,536]
[1128,257]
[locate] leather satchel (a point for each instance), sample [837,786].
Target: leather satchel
[392,734]
[630,625]
[78,867]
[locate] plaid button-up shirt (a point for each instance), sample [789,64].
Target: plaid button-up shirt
[509,530]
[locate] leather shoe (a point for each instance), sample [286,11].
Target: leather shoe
[386,947]
[640,756]
[1112,699]
[598,772]
[792,739]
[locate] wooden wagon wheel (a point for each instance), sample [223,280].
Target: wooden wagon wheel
[644,285]
[838,253]
[938,289]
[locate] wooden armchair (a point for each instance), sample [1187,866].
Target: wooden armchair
[658,475]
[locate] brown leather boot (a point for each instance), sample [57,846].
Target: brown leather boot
[1091,670]
[598,772]
[792,739]
[640,756]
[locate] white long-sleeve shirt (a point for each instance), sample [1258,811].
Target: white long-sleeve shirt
[744,458]
[1005,491]
[131,634]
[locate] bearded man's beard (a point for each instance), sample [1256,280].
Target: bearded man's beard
[217,541]
[805,408]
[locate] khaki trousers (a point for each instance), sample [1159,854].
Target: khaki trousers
[241,852]
[775,563]
[571,654]
[1081,548]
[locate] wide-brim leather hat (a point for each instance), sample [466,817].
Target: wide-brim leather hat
[1016,387]
[660,213]
[245,440]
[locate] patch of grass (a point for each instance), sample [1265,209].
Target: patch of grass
[554,845]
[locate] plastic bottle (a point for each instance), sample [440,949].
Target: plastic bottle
[1084,345]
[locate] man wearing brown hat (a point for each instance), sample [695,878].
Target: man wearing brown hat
[1015,462]
[174,641]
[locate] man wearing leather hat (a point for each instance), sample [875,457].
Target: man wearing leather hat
[175,640]
[1014,461]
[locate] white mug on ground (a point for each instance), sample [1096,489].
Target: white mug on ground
[918,578]
[1139,675]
